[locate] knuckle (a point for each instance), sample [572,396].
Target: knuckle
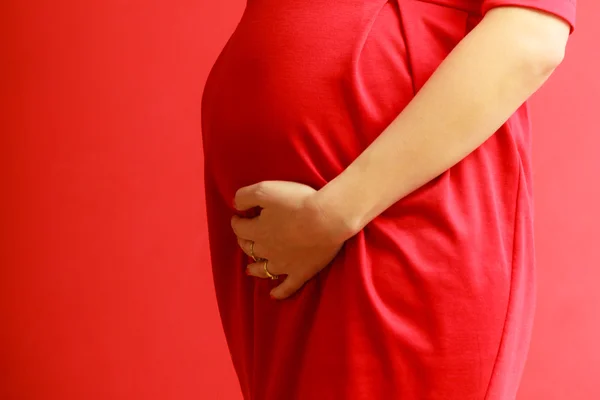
[261,189]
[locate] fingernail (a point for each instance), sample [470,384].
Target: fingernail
[248,271]
[272,297]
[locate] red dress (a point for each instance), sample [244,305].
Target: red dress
[432,300]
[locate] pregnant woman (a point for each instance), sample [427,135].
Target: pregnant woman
[369,194]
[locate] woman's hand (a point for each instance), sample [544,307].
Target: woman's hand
[295,235]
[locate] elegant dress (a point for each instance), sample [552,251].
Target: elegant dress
[432,300]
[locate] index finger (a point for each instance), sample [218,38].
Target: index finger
[251,196]
[244,228]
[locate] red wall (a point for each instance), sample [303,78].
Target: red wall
[105,289]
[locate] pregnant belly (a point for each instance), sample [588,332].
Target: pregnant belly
[302,88]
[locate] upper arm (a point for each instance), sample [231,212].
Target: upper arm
[563,9]
[540,27]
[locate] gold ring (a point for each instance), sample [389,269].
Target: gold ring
[252,251]
[270,275]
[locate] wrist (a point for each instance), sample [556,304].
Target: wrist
[340,210]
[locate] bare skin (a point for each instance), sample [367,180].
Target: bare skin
[485,79]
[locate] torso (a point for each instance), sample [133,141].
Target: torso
[431,300]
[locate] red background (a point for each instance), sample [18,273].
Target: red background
[105,287]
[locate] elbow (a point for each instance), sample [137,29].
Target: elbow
[551,56]
[542,56]
[537,39]
[544,49]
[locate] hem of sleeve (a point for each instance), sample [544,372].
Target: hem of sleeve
[564,9]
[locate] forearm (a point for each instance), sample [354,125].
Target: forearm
[474,91]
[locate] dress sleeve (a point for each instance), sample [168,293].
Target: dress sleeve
[564,9]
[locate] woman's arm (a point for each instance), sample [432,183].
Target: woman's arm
[506,58]
[485,79]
